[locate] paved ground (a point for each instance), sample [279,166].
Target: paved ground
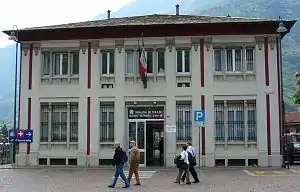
[96,180]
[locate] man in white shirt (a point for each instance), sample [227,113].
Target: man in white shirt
[192,151]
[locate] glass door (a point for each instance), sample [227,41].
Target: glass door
[137,133]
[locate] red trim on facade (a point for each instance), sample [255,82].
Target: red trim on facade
[279,95]
[202,62]
[89,65]
[166,30]
[268,124]
[30,66]
[203,128]
[266,48]
[88,131]
[29,122]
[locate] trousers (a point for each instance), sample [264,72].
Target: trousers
[134,168]
[193,173]
[186,172]
[119,172]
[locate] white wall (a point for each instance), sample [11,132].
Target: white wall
[158,91]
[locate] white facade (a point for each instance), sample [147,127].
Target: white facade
[231,85]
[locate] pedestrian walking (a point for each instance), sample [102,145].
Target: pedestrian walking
[120,157]
[192,160]
[134,162]
[182,163]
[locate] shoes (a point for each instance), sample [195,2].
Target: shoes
[137,184]
[126,186]
[110,186]
[177,182]
[188,183]
[197,181]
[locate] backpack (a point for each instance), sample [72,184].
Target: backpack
[176,159]
[192,159]
[125,158]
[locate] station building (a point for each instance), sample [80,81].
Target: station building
[80,90]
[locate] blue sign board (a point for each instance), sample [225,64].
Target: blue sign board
[11,136]
[21,136]
[199,116]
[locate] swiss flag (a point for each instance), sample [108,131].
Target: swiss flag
[20,134]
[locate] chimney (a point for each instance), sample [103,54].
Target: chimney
[108,14]
[177,9]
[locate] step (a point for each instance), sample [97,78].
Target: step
[142,174]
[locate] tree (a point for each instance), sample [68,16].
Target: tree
[4,130]
[297,94]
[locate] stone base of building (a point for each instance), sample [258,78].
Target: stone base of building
[83,160]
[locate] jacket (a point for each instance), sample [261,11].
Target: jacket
[134,156]
[119,156]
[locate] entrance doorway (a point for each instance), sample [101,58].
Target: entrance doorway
[155,143]
[146,128]
[149,138]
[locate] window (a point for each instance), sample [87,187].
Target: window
[61,117]
[218,59]
[149,58]
[234,59]
[252,122]
[130,63]
[60,63]
[249,59]
[75,63]
[107,122]
[183,61]
[183,121]
[108,63]
[46,63]
[160,61]
[235,121]
[219,121]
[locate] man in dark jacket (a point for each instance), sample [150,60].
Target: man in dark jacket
[120,157]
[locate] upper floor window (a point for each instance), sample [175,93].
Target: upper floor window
[160,61]
[183,61]
[107,63]
[149,58]
[236,59]
[61,63]
[153,65]
[130,63]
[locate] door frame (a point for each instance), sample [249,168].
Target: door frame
[136,136]
[136,121]
[145,122]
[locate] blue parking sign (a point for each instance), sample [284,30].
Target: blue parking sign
[199,116]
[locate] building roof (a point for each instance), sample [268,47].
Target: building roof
[155,19]
[156,25]
[292,118]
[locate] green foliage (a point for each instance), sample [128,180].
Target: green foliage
[4,130]
[297,97]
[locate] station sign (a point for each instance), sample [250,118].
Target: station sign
[146,113]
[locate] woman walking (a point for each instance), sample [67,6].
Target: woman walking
[120,157]
[183,165]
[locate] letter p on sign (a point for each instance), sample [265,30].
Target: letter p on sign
[199,116]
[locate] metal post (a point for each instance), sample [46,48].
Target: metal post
[15,103]
[199,147]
